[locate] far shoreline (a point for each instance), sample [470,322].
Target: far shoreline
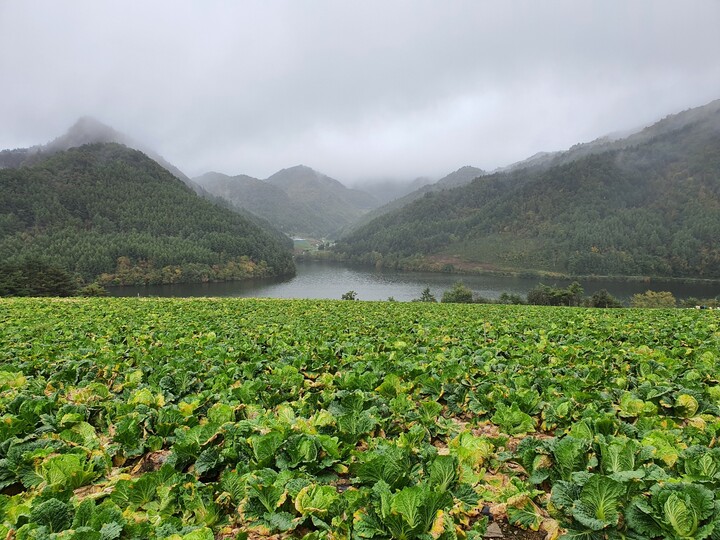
[479,269]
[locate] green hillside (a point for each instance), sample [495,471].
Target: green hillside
[106,210]
[645,205]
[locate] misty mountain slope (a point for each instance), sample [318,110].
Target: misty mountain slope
[700,118]
[263,199]
[86,130]
[385,191]
[316,189]
[648,205]
[105,208]
[464,175]
[298,200]
[261,222]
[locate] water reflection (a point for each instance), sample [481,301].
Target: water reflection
[331,280]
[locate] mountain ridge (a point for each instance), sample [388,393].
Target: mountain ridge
[299,199]
[613,141]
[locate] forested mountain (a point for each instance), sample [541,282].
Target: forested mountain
[648,204]
[324,196]
[86,130]
[107,210]
[298,200]
[461,177]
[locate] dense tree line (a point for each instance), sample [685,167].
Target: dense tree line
[90,209]
[651,208]
[35,277]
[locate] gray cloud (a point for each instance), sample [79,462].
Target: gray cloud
[356,90]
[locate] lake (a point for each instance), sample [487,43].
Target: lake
[331,280]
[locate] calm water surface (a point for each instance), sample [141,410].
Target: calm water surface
[332,280]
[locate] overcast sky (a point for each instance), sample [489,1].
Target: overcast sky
[358,90]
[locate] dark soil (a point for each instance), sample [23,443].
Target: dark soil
[515,533]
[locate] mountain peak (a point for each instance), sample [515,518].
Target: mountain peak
[300,170]
[89,123]
[302,175]
[87,130]
[211,175]
[464,175]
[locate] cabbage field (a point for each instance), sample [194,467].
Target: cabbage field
[245,418]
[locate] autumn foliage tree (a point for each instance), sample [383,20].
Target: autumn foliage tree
[653,299]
